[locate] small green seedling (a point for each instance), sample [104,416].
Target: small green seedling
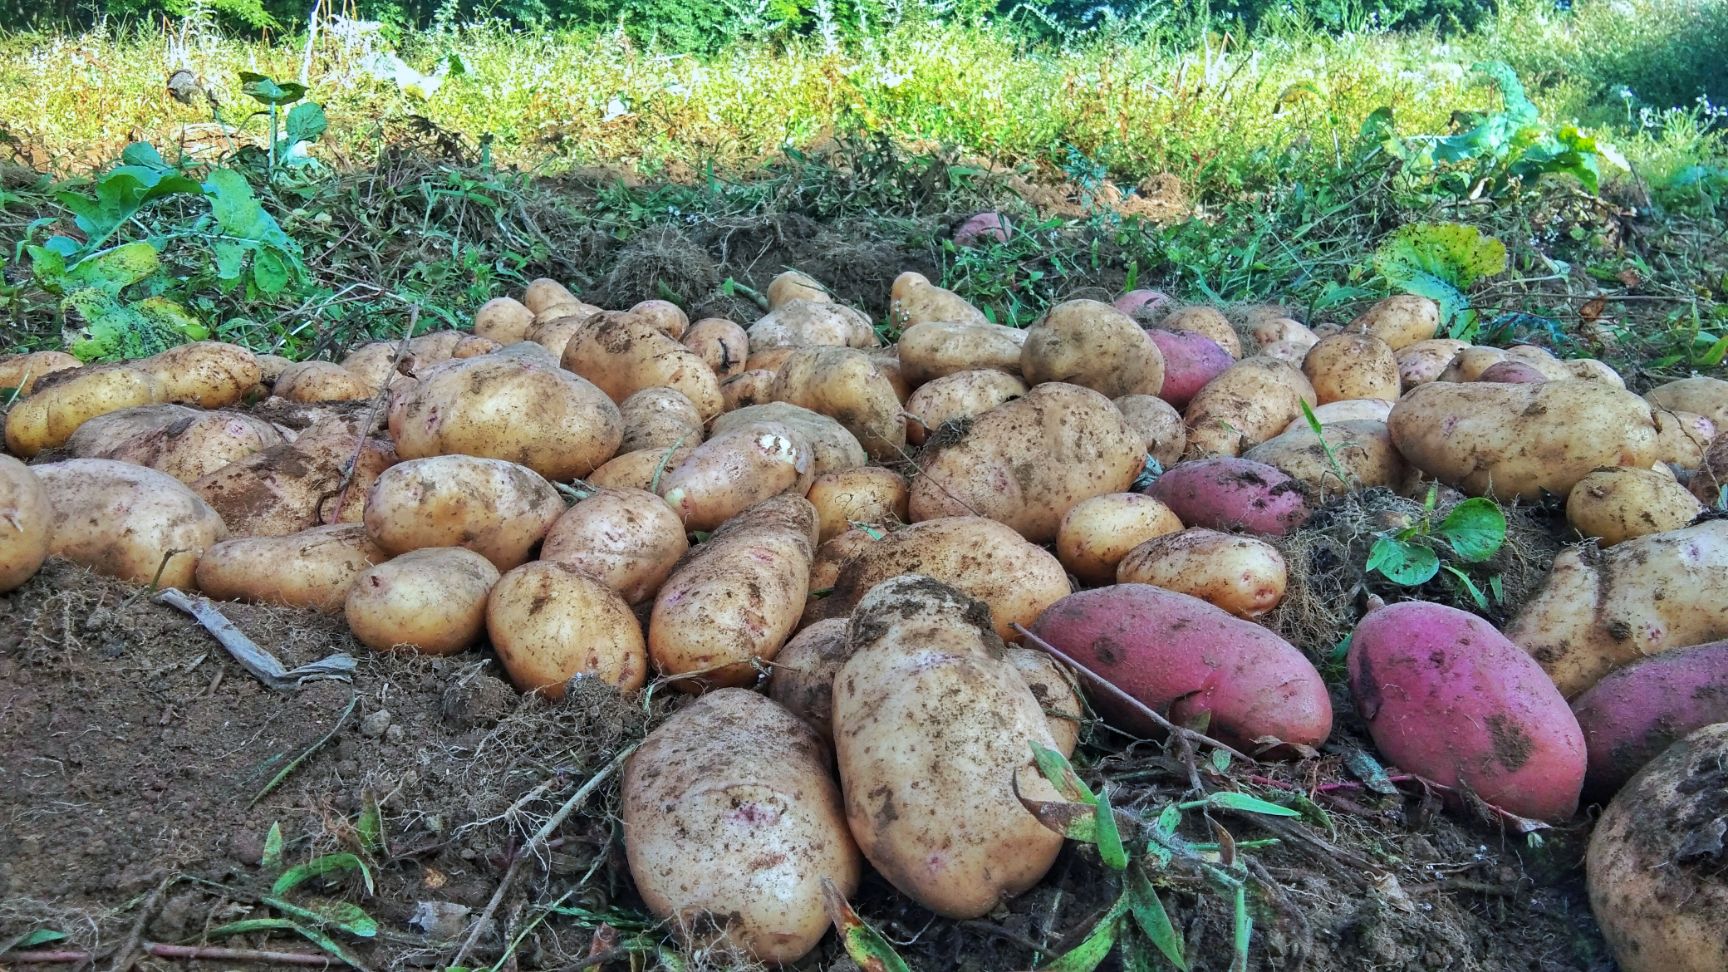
[1473,531]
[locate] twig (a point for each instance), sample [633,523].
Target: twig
[264,666]
[305,754]
[191,953]
[540,837]
[124,956]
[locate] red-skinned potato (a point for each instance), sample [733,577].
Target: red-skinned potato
[730,810]
[503,319]
[1636,712]
[913,299]
[1426,361]
[1136,303]
[1097,533]
[26,522]
[430,601]
[736,470]
[983,229]
[21,372]
[550,622]
[310,569]
[1159,424]
[865,494]
[209,374]
[1093,345]
[49,415]
[1190,361]
[957,397]
[1347,366]
[939,348]
[1189,659]
[668,318]
[1512,372]
[1400,321]
[721,344]
[1245,406]
[627,538]
[659,418]
[1243,575]
[126,521]
[1615,505]
[495,508]
[1233,494]
[1449,699]
[623,354]
[932,725]
[1207,321]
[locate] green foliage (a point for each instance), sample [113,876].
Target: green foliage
[1441,261]
[1472,532]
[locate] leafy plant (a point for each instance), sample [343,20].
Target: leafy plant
[303,123]
[1441,261]
[1471,532]
[317,919]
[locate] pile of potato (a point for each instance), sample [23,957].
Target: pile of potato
[864,532]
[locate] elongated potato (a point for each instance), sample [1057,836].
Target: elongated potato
[721,344]
[1091,344]
[20,372]
[1400,321]
[544,292]
[913,300]
[430,601]
[1159,423]
[1683,438]
[310,569]
[26,523]
[832,448]
[1615,505]
[1097,533]
[185,443]
[642,469]
[321,381]
[495,508]
[804,323]
[847,386]
[730,813]
[1054,689]
[659,418]
[938,348]
[1701,396]
[127,521]
[627,538]
[1267,331]
[550,622]
[1245,406]
[1027,462]
[803,679]
[737,598]
[1243,575]
[736,470]
[790,285]
[287,488]
[623,354]
[503,319]
[1228,493]
[49,416]
[1426,361]
[1208,321]
[958,397]
[210,374]
[1344,457]
[931,726]
[1350,366]
[866,494]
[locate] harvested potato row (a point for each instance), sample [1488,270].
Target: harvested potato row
[1683,438]
[127,521]
[430,601]
[26,523]
[495,508]
[311,569]
[550,622]
[47,417]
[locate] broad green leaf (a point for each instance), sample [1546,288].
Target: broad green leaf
[1232,800]
[1169,819]
[863,943]
[371,825]
[100,327]
[270,271]
[273,842]
[1061,775]
[32,939]
[1110,849]
[144,155]
[1440,261]
[1220,760]
[1311,811]
[320,866]
[1408,564]
[340,915]
[1154,922]
[305,123]
[268,91]
[171,317]
[1095,947]
[1475,529]
[112,271]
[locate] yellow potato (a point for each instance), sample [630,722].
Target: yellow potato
[430,601]
[1243,575]
[1589,369]
[804,323]
[1268,331]
[1426,361]
[1208,321]
[803,676]
[310,569]
[129,522]
[642,469]
[666,317]
[1700,396]
[1055,692]
[1350,366]
[847,386]
[831,556]
[913,299]
[627,538]
[1359,448]
[321,381]
[1345,410]
[748,388]
[659,418]
[1615,505]
[1097,533]
[497,509]
[1159,423]
[1291,353]
[792,285]
[930,351]
[721,344]
[1683,438]
[957,397]
[554,335]
[1710,482]
[287,488]
[210,374]
[1400,321]
[1243,407]
[623,354]
[26,523]
[736,470]
[503,319]
[49,416]
[1094,345]
[20,372]
[185,443]
[864,494]
[832,448]
[545,292]
[550,622]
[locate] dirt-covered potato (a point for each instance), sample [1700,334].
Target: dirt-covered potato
[1600,609]
[642,469]
[1245,406]
[1232,493]
[805,323]
[1055,691]
[1521,441]
[1710,483]
[550,622]
[497,509]
[1091,344]
[958,397]
[721,344]
[1615,505]
[1345,456]
[512,405]
[26,523]
[1144,304]
[1399,321]
[1097,533]
[832,447]
[1700,396]
[1655,861]
[791,285]
[1208,321]
[628,538]
[1641,709]
[287,488]
[20,372]
[847,386]
[913,300]
[668,318]
[1348,410]
[310,569]
[932,726]
[748,388]
[1512,372]
[980,557]
[430,601]
[621,354]
[930,351]
[185,443]
[1350,366]
[863,494]
[49,415]
[1267,331]
[1027,462]
[210,374]
[1590,369]
[503,319]
[1683,438]
[544,292]
[554,335]
[803,677]
[1243,575]
[127,521]
[735,470]
[736,598]
[1426,361]
[321,381]
[730,813]
[1159,424]
[659,418]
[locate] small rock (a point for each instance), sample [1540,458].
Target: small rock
[376,724]
[440,921]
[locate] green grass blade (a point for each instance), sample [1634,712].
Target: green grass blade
[1243,932]
[319,866]
[272,859]
[1061,775]
[1231,800]
[864,944]
[1154,922]
[1095,947]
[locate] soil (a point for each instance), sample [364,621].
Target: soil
[136,801]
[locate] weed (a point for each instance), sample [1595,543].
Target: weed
[1471,532]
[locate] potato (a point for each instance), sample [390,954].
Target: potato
[503,319]
[1600,609]
[1615,505]
[1654,867]
[287,488]
[1267,331]
[550,622]
[20,372]
[1517,442]
[1589,369]
[623,354]
[544,292]
[1399,321]
[668,318]
[1683,437]
[832,448]
[126,521]
[1190,361]
[1233,494]
[958,397]
[1097,533]
[642,469]
[1348,366]
[932,726]
[1252,685]
[1469,364]
[913,299]
[865,494]
[981,558]
[659,418]
[1159,423]
[803,677]
[1636,712]
[1361,449]
[185,443]
[627,538]
[26,523]
[49,416]
[1700,396]
[1054,689]
[730,812]
[310,569]
[790,285]
[1243,575]
[211,374]
[748,388]
[807,323]
[1426,361]
[1245,406]
[1346,410]
[512,405]
[736,598]
[1086,343]
[321,381]
[1287,352]
[430,601]
[939,348]
[498,509]
[1143,303]
[825,569]
[983,229]
[846,385]
[554,335]
[1028,461]
[1710,483]
[736,470]
[721,344]
[1208,321]
[1512,372]
[1449,699]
